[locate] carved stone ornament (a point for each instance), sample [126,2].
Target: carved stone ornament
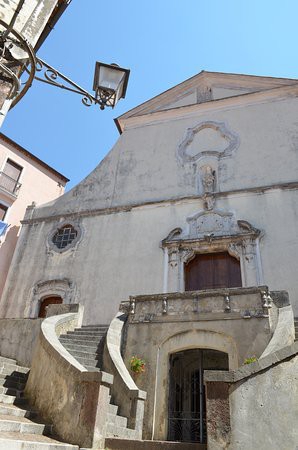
[208,179]
[217,223]
[230,142]
[212,232]
[63,287]
[209,225]
[209,202]
[52,247]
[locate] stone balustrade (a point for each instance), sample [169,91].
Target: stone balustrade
[227,303]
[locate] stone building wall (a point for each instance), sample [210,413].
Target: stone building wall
[150,183]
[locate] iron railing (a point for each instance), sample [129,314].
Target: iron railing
[9,184]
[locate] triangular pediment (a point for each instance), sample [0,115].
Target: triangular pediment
[207,87]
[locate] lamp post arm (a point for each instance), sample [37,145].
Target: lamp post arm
[50,75]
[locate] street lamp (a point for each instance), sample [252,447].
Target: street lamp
[110,80]
[110,83]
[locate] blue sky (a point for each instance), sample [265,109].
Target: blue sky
[163,42]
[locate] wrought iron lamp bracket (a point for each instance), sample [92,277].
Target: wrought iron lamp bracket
[50,75]
[12,37]
[40,70]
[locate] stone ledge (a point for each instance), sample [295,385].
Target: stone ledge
[254,368]
[201,294]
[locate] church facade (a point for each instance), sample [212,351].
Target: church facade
[190,225]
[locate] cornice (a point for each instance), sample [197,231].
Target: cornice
[151,203]
[248,99]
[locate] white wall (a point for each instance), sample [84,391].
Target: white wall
[119,253]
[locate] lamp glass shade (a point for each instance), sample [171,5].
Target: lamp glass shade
[110,79]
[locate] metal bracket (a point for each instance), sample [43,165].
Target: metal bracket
[50,75]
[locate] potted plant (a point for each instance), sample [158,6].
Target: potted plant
[137,365]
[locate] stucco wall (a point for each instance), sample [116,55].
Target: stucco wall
[264,409]
[37,184]
[127,245]
[18,338]
[154,342]
[119,253]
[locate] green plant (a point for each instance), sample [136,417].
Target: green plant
[137,365]
[250,360]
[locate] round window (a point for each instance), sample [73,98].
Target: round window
[64,236]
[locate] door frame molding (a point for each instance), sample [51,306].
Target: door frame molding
[185,340]
[212,232]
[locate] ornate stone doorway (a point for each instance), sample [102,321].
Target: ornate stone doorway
[187,407]
[212,271]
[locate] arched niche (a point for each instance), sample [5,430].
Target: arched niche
[63,288]
[186,340]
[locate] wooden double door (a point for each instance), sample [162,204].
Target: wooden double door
[212,271]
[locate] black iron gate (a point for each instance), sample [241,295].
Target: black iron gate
[187,408]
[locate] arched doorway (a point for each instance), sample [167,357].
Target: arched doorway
[212,271]
[53,300]
[187,407]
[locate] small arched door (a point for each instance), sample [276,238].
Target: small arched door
[187,405]
[53,300]
[212,271]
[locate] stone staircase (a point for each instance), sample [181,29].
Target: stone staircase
[20,426]
[86,345]
[296,328]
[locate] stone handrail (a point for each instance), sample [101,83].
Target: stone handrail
[126,394]
[284,333]
[66,394]
[244,302]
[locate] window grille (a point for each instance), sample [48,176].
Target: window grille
[64,236]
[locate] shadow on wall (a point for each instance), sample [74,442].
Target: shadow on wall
[7,248]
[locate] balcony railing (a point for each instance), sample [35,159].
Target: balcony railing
[9,184]
[215,304]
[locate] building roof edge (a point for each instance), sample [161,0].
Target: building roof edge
[33,157]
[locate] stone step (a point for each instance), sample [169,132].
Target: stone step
[69,341]
[113,409]
[119,421]
[22,425]
[85,355]
[11,382]
[14,373]
[93,369]
[95,328]
[11,391]
[120,432]
[12,410]
[7,399]
[15,376]
[7,373]
[20,441]
[13,368]
[7,360]
[79,339]
[87,362]
[80,348]
[125,444]
[90,334]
